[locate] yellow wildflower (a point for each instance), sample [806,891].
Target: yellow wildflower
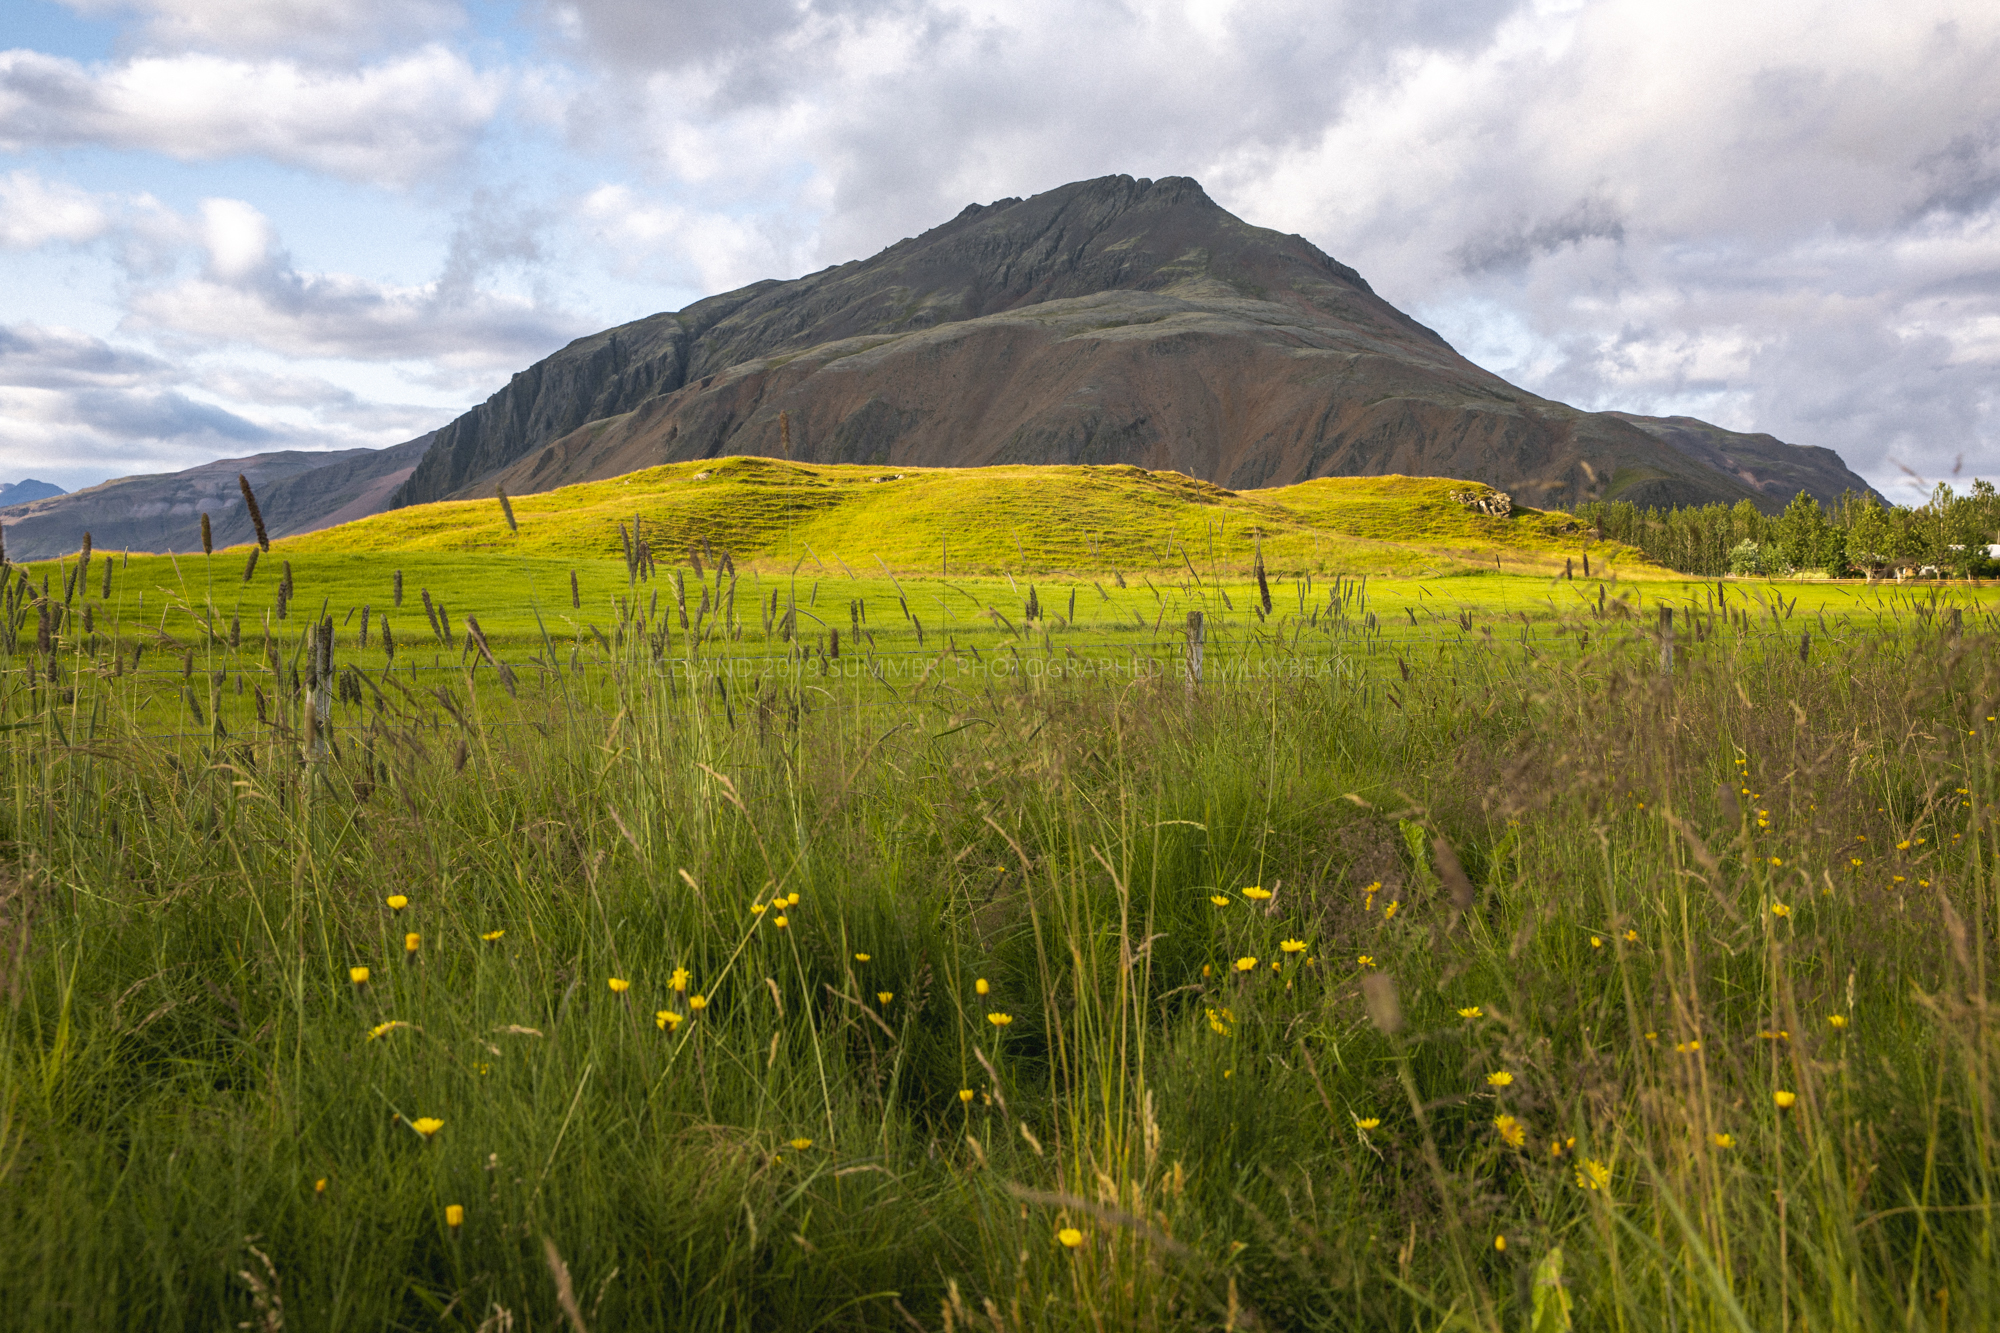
[619,985]
[781,921]
[678,982]
[319,1186]
[427,1125]
[1390,910]
[1070,1237]
[1837,1020]
[1254,892]
[454,1215]
[1293,946]
[397,902]
[1246,964]
[1595,1175]
[965,1095]
[667,1020]
[1365,960]
[1596,942]
[358,975]
[981,986]
[1724,1140]
[791,900]
[884,996]
[757,909]
[1557,1147]
[863,957]
[1219,899]
[1776,861]
[1472,1011]
[384,1029]
[492,935]
[999,1020]
[1500,1243]
[1368,1123]
[1631,937]
[1784,1099]
[1499,1078]
[800,1145]
[1512,1132]
[697,1002]
[411,942]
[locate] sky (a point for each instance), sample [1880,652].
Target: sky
[231,226]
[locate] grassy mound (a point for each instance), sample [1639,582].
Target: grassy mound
[986,520]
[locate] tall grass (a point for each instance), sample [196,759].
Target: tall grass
[1568,927]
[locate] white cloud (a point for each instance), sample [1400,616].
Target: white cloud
[288,26]
[34,212]
[389,123]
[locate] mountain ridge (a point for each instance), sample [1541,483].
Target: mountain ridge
[1128,321]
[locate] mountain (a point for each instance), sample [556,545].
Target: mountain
[1108,321]
[20,492]
[297,490]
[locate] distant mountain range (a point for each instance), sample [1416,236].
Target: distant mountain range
[20,492]
[1108,321]
[297,490]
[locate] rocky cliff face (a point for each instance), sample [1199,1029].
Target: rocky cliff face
[297,491]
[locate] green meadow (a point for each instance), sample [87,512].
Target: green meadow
[780,929]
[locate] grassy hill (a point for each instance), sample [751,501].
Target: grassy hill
[769,513]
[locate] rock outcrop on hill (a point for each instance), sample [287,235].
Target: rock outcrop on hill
[297,490]
[1109,321]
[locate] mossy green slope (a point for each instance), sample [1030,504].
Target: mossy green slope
[986,520]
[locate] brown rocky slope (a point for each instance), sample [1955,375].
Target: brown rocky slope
[1109,321]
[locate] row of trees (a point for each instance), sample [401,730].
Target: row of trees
[1855,535]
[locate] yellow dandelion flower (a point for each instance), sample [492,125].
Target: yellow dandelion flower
[358,975]
[1854,861]
[384,1029]
[1207,971]
[863,957]
[1903,846]
[781,921]
[965,1095]
[1369,1122]
[667,1020]
[757,909]
[1784,1099]
[800,1145]
[1557,1147]
[884,996]
[319,1186]
[1596,942]
[1365,960]
[697,1002]
[1472,1011]
[1219,899]
[1724,1140]
[1652,1036]
[1390,910]
[1069,1237]
[999,1020]
[678,982]
[1293,946]
[1837,1020]
[1631,937]
[1254,892]
[1595,1175]
[492,935]
[397,902]
[1499,1078]
[982,987]
[791,900]
[411,942]
[619,985]
[1512,1132]
[1246,964]
[454,1215]
[427,1125]
[1500,1243]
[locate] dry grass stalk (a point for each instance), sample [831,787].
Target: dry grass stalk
[256,514]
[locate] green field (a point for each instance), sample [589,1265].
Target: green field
[1461,949]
